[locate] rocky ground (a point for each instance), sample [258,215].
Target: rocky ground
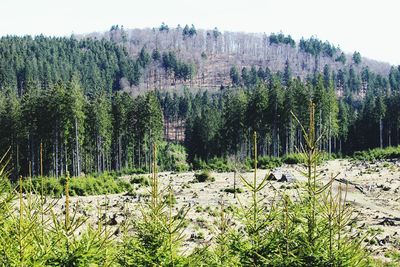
[373,192]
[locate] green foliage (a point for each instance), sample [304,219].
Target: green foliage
[163,28]
[266,162]
[215,164]
[30,238]
[341,58]
[293,158]
[188,32]
[235,76]
[128,171]
[79,186]
[141,180]
[172,157]
[251,245]
[316,47]
[378,154]
[145,58]
[46,60]
[233,190]
[158,233]
[310,229]
[179,69]
[280,38]
[204,176]
[357,57]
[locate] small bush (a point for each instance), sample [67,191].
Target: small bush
[266,162]
[170,200]
[199,209]
[233,190]
[128,171]
[215,164]
[204,176]
[294,158]
[142,180]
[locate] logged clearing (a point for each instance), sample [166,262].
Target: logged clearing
[373,192]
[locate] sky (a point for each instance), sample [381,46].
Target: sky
[370,26]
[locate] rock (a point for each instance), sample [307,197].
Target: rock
[287,178]
[386,240]
[117,231]
[387,222]
[380,242]
[113,220]
[384,187]
[272,177]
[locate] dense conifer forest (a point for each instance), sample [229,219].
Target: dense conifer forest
[64,96]
[100,115]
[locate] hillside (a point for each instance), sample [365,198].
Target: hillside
[170,58]
[213,53]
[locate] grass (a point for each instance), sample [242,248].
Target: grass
[79,186]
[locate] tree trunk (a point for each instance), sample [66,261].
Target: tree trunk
[380,132]
[78,158]
[56,152]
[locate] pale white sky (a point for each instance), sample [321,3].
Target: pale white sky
[369,26]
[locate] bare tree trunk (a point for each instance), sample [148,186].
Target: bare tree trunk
[56,152]
[62,158]
[32,148]
[78,159]
[380,132]
[119,152]
[330,136]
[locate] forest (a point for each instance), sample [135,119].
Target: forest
[62,98]
[90,133]
[88,123]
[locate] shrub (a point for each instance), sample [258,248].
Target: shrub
[204,176]
[378,154]
[172,157]
[266,162]
[142,180]
[233,190]
[79,186]
[293,158]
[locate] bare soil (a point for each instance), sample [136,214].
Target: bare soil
[373,192]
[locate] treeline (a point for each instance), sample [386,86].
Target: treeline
[80,130]
[344,81]
[316,47]
[280,38]
[43,61]
[76,132]
[204,50]
[220,124]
